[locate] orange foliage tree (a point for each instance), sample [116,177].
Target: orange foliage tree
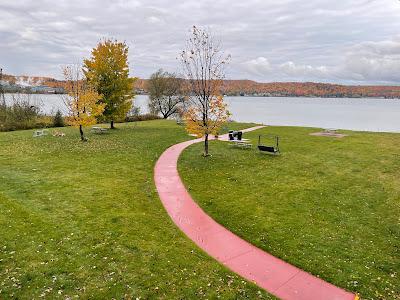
[204,62]
[82,99]
[216,117]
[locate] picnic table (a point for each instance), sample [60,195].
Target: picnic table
[40,132]
[330,130]
[243,143]
[97,129]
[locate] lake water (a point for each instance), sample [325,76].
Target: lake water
[341,113]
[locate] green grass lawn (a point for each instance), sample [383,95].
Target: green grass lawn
[83,220]
[329,206]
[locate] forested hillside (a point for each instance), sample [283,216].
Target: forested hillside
[251,88]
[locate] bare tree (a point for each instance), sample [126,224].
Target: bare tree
[165,93]
[204,66]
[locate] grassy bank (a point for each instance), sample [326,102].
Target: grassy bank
[329,206]
[84,220]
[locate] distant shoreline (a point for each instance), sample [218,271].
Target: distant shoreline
[244,96]
[248,88]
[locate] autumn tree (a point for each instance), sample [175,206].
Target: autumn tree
[165,95]
[82,100]
[204,63]
[108,72]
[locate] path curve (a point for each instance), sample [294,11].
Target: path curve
[268,272]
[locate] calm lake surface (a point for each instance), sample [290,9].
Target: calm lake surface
[381,115]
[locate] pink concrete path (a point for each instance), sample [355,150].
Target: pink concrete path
[268,272]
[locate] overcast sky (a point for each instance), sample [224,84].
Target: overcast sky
[342,41]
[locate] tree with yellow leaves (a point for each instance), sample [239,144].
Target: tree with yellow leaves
[108,72]
[203,63]
[217,115]
[82,100]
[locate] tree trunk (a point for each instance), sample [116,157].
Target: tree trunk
[81,132]
[206,145]
[112,124]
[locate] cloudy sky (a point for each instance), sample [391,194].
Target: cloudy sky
[342,41]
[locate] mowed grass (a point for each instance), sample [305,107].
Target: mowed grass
[329,206]
[83,220]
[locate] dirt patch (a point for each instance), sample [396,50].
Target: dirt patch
[329,134]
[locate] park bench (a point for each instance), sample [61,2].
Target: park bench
[272,148]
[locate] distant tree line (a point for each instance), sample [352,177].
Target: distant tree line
[295,89]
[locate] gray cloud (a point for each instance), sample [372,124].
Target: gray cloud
[365,62]
[334,41]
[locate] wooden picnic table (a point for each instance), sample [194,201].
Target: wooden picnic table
[98,129]
[243,143]
[40,132]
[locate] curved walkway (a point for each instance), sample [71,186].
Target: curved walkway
[268,272]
